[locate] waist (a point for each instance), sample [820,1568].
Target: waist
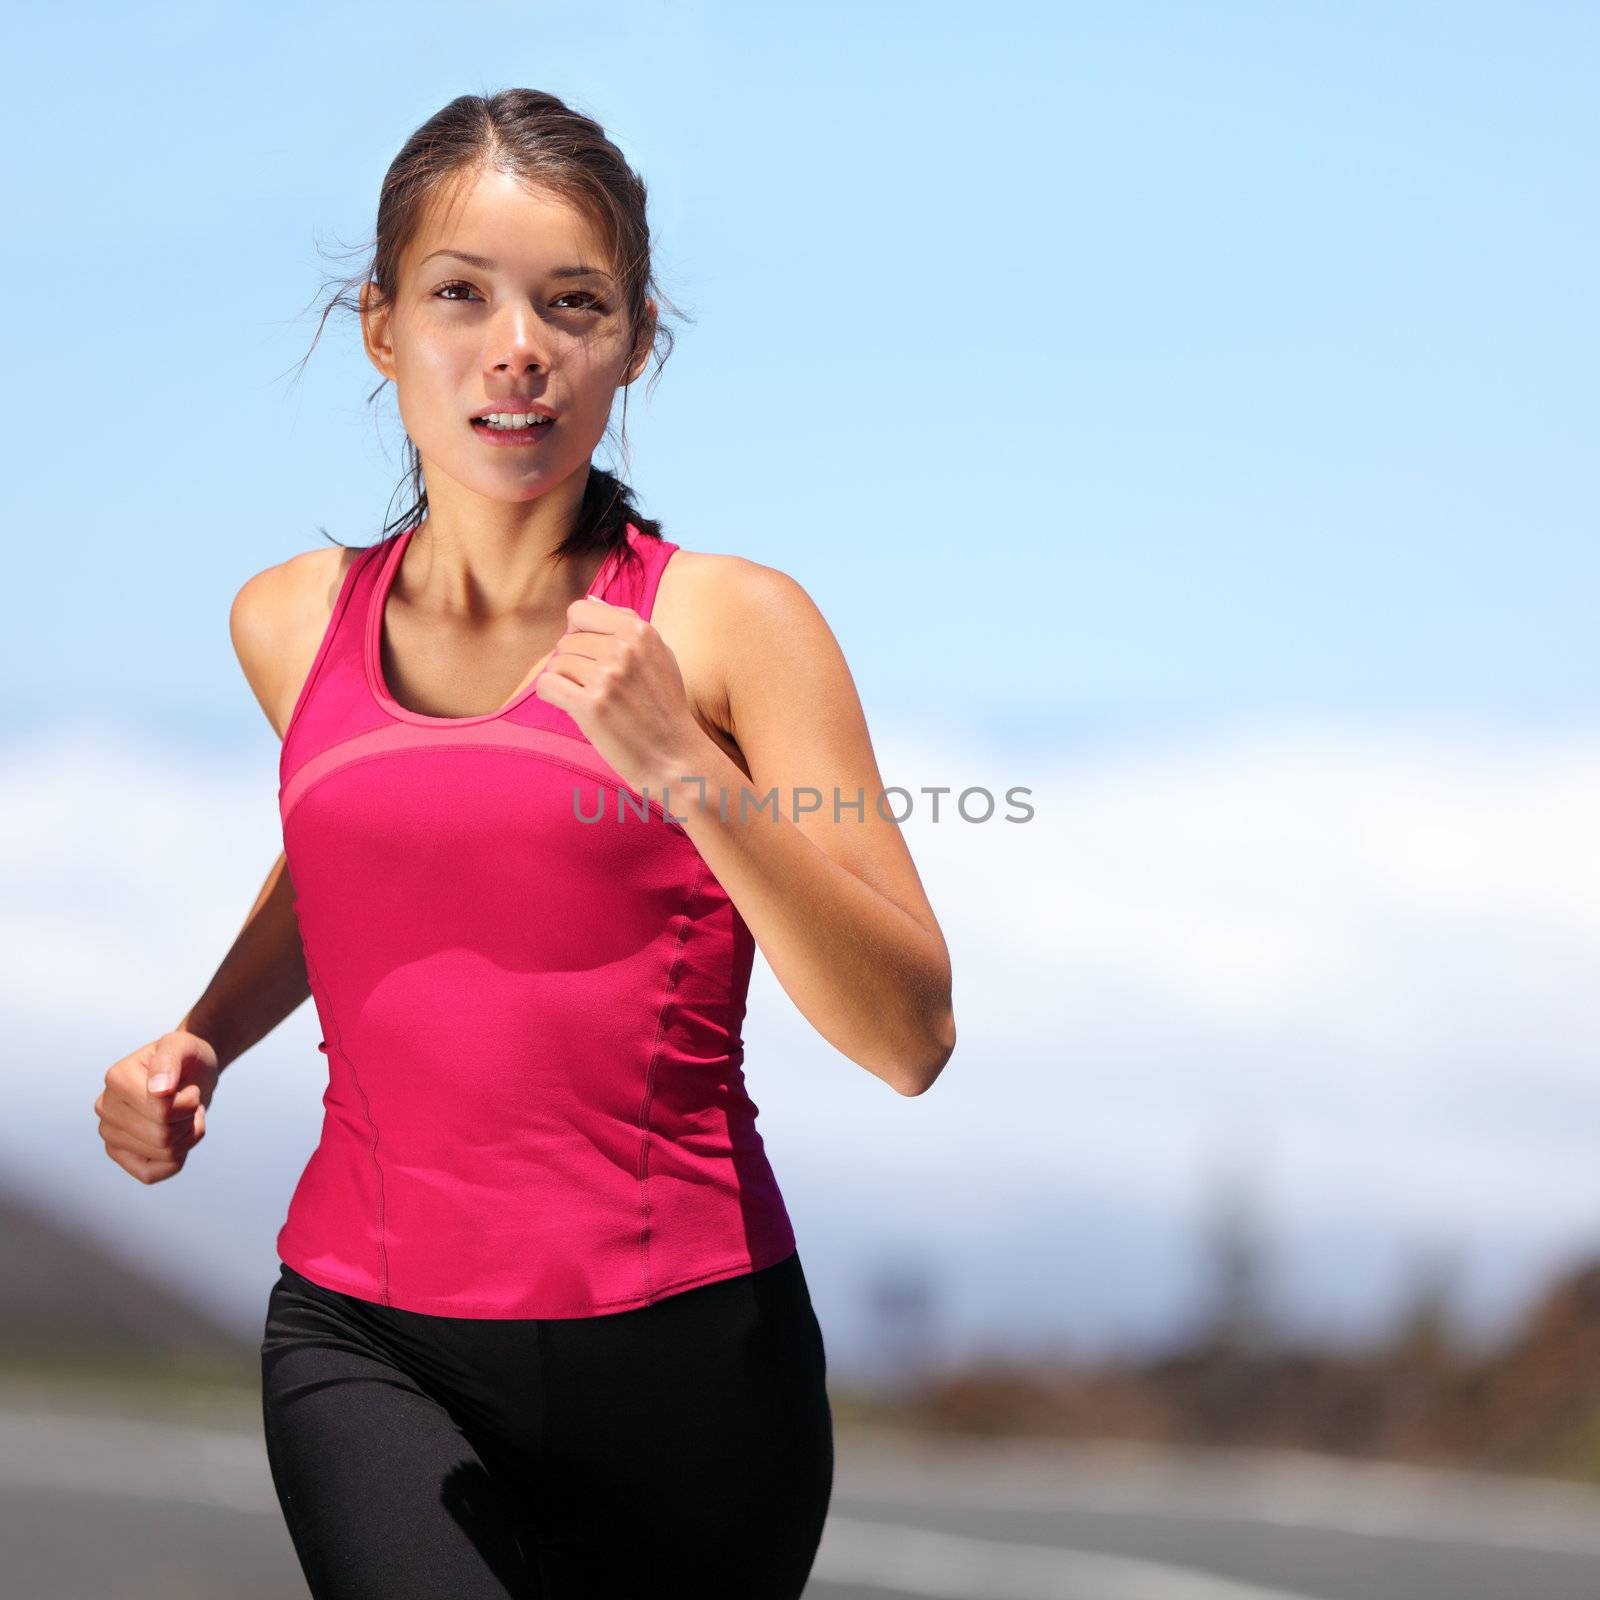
[562,1229]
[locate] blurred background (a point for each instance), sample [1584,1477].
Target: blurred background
[1185,413]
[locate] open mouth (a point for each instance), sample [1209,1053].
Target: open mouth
[511,427]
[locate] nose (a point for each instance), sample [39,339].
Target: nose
[517,341]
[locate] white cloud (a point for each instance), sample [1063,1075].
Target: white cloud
[1368,949]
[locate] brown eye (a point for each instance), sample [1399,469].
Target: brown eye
[439,294]
[583,294]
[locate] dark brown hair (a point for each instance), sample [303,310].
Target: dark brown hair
[546,144]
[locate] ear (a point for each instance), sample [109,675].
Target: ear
[375,330]
[647,339]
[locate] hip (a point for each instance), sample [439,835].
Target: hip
[737,1364]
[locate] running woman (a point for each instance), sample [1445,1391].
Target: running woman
[547,779]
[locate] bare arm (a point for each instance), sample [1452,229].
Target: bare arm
[277,622]
[262,978]
[152,1110]
[832,898]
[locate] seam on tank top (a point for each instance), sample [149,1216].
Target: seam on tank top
[657,811]
[650,1071]
[340,606]
[366,1111]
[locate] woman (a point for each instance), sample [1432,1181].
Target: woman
[547,779]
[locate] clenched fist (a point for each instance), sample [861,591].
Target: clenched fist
[153,1108]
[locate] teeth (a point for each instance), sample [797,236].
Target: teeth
[513,419]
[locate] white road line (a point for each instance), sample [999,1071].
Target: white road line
[1371,1499]
[916,1561]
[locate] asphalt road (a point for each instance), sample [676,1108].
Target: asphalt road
[149,1510]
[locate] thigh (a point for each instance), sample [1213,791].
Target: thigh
[384,1495]
[690,1443]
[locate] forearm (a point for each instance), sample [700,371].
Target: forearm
[262,978]
[871,978]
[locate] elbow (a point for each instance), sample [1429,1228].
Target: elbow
[919,1076]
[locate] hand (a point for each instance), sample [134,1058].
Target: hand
[613,674]
[149,1129]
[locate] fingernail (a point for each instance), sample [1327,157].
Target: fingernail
[157,1083]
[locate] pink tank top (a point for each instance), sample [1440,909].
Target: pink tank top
[536,1102]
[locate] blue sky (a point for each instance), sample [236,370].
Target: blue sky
[1166,404]
[1081,361]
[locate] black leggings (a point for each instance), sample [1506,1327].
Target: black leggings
[681,1448]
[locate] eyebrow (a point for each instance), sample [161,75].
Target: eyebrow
[489,266]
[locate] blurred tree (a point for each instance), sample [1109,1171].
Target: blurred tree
[1236,1319]
[902,1302]
[1425,1332]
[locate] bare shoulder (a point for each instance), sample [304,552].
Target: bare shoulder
[278,620]
[738,626]
[723,596]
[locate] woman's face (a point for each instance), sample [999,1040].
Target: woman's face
[489,315]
